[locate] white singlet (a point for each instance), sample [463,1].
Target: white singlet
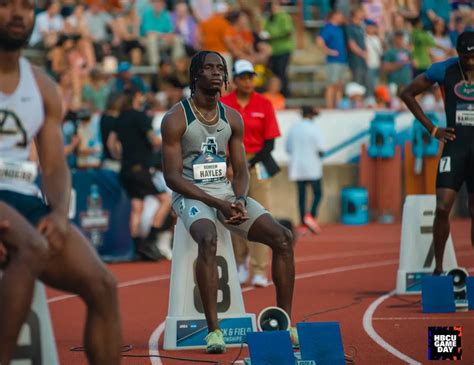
[21,117]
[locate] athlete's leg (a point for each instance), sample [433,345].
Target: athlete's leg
[204,233]
[268,231]
[27,252]
[444,202]
[471,213]
[78,269]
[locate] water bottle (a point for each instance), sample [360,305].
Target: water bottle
[94,211]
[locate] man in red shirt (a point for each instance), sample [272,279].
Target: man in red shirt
[261,129]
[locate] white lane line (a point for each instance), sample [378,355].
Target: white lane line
[369,329]
[341,255]
[125,284]
[418,318]
[153,344]
[155,337]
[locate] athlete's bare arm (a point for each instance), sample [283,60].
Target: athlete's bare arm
[55,175]
[172,130]
[409,94]
[240,180]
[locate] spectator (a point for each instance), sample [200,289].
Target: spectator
[397,63]
[138,140]
[96,92]
[108,123]
[215,34]
[408,8]
[125,80]
[71,99]
[357,47]
[280,28]
[442,49]
[422,42]
[274,94]
[305,147]
[71,142]
[75,24]
[399,24]
[458,26]
[49,25]
[89,148]
[374,56]
[185,26]
[244,45]
[332,41]
[201,9]
[375,13]
[261,129]
[101,30]
[354,96]
[434,9]
[157,28]
[382,97]
[128,31]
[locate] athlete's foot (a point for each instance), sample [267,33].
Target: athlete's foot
[438,272]
[215,342]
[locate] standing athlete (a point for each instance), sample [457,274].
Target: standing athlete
[199,134]
[31,108]
[456,166]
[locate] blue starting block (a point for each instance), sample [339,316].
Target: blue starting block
[271,347]
[470,292]
[437,294]
[321,342]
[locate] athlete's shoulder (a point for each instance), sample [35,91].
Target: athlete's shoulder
[48,87]
[173,118]
[231,113]
[437,71]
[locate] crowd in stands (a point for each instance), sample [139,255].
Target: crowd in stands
[376,47]
[373,48]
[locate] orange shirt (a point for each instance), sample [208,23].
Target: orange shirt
[213,32]
[278,100]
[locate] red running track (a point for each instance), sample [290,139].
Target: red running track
[343,275]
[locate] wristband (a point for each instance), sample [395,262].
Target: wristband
[433,132]
[244,199]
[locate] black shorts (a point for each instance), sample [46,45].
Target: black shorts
[31,207]
[456,165]
[138,182]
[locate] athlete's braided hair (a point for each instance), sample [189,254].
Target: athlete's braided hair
[197,62]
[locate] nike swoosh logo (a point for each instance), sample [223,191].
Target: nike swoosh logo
[470,48]
[220,130]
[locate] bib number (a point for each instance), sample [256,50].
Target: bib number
[24,171]
[465,114]
[209,167]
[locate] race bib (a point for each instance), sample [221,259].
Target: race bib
[465,114]
[208,167]
[16,171]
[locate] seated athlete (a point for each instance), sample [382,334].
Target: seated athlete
[199,134]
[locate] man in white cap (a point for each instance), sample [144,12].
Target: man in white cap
[261,129]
